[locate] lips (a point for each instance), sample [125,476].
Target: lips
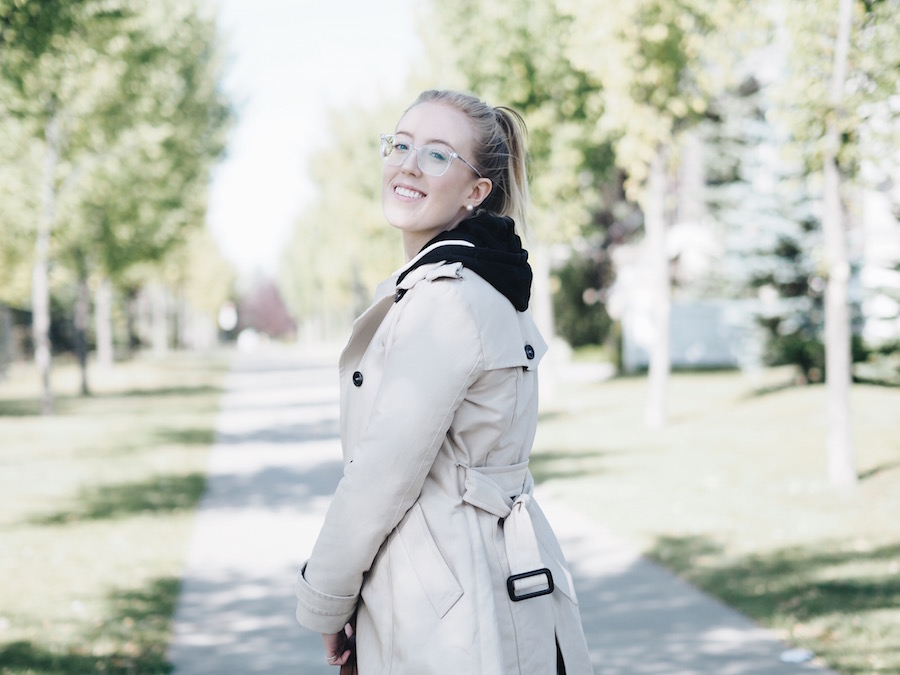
[407,192]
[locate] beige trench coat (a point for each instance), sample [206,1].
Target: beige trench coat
[434,512]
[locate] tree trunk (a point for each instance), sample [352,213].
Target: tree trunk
[6,339]
[186,328]
[132,321]
[542,309]
[660,292]
[82,320]
[542,300]
[40,282]
[103,323]
[841,459]
[159,335]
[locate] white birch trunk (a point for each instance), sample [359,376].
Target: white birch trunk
[103,323]
[159,336]
[655,229]
[542,310]
[82,320]
[839,442]
[40,281]
[6,339]
[541,298]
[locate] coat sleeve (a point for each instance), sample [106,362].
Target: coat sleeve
[433,357]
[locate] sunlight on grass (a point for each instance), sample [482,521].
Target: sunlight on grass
[733,495]
[96,508]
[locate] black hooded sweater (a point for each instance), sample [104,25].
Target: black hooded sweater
[496,255]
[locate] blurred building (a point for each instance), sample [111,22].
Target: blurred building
[715,310]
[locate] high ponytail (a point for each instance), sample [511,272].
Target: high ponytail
[500,151]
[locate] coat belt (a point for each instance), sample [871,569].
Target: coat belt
[506,492]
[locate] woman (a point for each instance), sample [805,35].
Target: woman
[433,555]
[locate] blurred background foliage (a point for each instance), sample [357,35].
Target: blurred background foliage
[112,117]
[729,99]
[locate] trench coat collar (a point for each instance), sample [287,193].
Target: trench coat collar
[367,323]
[407,283]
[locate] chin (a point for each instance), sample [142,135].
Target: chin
[402,219]
[395,221]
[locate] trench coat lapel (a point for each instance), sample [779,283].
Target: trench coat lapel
[368,322]
[363,330]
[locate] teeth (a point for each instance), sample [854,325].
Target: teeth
[406,192]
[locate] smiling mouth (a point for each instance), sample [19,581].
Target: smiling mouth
[409,193]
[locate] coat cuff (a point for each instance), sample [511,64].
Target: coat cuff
[319,611]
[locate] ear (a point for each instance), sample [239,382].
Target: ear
[480,191]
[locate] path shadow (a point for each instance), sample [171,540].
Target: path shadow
[545,416]
[283,405]
[881,468]
[197,390]
[800,584]
[107,502]
[20,407]
[25,656]
[239,622]
[274,487]
[271,487]
[640,619]
[31,407]
[555,464]
[320,430]
[298,369]
[775,388]
[190,436]
[137,629]
[795,581]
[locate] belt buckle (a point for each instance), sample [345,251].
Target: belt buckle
[511,587]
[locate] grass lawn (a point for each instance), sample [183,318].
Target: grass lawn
[733,495]
[96,507]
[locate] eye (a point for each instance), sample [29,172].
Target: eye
[438,154]
[400,146]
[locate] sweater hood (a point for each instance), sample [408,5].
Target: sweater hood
[495,254]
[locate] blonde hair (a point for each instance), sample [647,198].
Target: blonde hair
[500,151]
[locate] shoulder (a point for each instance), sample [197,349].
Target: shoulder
[460,300]
[444,287]
[431,314]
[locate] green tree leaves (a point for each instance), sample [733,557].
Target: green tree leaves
[515,53]
[111,117]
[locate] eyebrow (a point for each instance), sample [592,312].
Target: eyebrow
[433,140]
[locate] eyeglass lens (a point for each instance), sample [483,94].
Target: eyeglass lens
[432,159]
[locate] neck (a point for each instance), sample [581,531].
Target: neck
[412,244]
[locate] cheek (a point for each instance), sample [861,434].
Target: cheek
[386,176]
[457,191]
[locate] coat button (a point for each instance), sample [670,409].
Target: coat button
[357,379]
[529,352]
[398,296]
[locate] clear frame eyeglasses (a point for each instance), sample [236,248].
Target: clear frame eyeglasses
[435,160]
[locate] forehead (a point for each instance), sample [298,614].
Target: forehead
[431,121]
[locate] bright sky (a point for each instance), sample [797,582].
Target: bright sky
[289,61]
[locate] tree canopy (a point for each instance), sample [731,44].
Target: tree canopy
[112,117]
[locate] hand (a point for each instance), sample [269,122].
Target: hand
[339,647]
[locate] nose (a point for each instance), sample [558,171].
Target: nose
[411,156]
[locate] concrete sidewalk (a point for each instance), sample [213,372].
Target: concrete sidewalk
[272,471]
